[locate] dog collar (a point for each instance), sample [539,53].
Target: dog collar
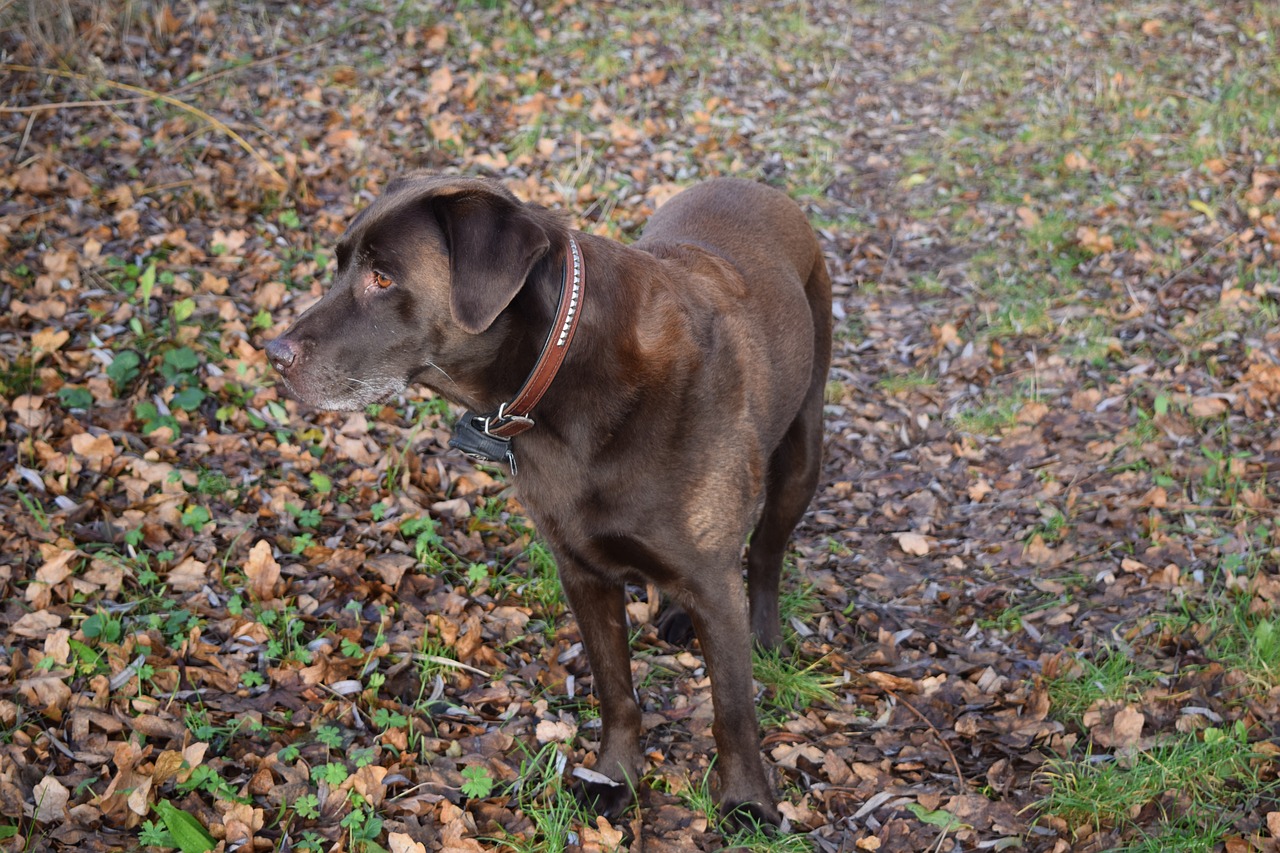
[487,436]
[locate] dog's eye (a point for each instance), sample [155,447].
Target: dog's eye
[377,279]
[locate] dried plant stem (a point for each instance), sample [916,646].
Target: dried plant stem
[70,105]
[149,94]
[955,763]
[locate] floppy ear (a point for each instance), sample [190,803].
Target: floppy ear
[493,244]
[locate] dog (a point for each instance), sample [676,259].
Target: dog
[681,414]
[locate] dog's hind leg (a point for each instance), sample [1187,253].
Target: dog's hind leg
[793,474]
[792,479]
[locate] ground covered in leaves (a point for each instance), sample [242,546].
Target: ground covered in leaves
[1034,605]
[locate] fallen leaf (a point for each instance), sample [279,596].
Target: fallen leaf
[50,798]
[1207,407]
[262,571]
[554,731]
[36,624]
[912,543]
[399,842]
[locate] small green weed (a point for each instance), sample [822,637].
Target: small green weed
[479,782]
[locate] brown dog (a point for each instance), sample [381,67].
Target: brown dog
[685,415]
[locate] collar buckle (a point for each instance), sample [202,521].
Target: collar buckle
[503,425]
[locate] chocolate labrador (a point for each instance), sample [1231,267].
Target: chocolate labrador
[658,403]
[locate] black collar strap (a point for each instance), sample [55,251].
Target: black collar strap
[487,437]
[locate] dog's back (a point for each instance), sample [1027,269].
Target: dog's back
[768,241]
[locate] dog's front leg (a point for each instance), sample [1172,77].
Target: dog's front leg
[719,614]
[599,606]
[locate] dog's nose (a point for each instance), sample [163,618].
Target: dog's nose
[282,353]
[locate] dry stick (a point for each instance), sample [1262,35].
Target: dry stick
[235,69]
[67,105]
[150,94]
[912,708]
[1203,256]
[186,87]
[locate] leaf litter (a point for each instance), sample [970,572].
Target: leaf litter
[1053,234]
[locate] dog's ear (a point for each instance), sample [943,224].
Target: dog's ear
[494,241]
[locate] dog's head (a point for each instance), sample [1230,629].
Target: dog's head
[424,274]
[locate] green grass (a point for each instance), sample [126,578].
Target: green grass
[1065,147]
[993,414]
[698,797]
[791,686]
[541,794]
[1194,781]
[1110,675]
[904,382]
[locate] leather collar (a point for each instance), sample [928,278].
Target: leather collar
[486,436]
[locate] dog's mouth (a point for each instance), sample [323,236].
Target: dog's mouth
[343,395]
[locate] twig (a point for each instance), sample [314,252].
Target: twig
[68,105]
[26,137]
[257,63]
[150,94]
[955,763]
[1203,256]
[450,662]
[186,87]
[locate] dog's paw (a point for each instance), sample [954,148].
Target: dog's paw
[675,627]
[751,816]
[601,795]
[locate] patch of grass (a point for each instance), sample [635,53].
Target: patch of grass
[1007,620]
[1111,675]
[1232,630]
[992,415]
[540,587]
[1052,527]
[798,599]
[791,685]
[540,793]
[904,382]
[1194,781]
[698,797]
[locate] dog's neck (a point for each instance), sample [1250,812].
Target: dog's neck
[486,434]
[512,417]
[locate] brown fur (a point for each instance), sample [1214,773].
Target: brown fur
[687,415]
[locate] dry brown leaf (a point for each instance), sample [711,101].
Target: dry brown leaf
[242,821]
[1093,241]
[48,341]
[1076,161]
[912,543]
[98,450]
[53,572]
[262,572]
[1032,412]
[554,731]
[399,842]
[36,624]
[188,576]
[50,798]
[1207,407]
